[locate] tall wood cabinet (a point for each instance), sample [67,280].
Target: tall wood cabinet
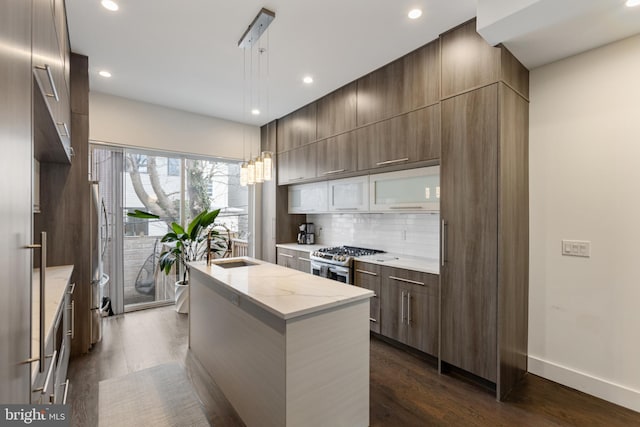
[484,213]
[15,187]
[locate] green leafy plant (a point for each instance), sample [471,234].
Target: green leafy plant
[190,244]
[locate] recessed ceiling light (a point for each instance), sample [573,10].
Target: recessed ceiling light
[308,79]
[414,14]
[110,5]
[632,3]
[105,73]
[255,112]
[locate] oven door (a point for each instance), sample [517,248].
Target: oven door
[330,271]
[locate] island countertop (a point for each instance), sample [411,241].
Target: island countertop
[284,292]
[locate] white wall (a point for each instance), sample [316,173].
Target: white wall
[584,321]
[122,121]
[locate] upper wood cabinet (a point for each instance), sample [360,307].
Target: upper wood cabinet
[337,111]
[406,84]
[297,165]
[468,62]
[403,139]
[297,128]
[337,155]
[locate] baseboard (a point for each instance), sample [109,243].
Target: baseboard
[586,383]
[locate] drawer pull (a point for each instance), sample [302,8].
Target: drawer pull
[346,209]
[304,259]
[66,390]
[335,171]
[389,162]
[370,273]
[286,255]
[44,388]
[413,282]
[405,207]
[47,68]
[64,126]
[371,319]
[73,288]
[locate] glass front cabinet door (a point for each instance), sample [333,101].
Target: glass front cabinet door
[349,195]
[413,190]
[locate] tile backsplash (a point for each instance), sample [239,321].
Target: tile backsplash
[406,234]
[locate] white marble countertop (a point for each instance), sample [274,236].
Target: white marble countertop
[424,265]
[282,291]
[299,247]
[57,279]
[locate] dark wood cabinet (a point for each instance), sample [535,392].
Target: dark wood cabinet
[409,310]
[403,85]
[484,209]
[411,137]
[468,62]
[297,128]
[297,260]
[337,155]
[297,165]
[366,275]
[336,111]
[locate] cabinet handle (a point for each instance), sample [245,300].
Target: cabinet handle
[388,162]
[443,245]
[73,288]
[304,259]
[286,255]
[406,207]
[66,390]
[47,68]
[66,129]
[43,280]
[335,171]
[400,279]
[371,319]
[44,388]
[408,308]
[370,273]
[346,209]
[73,321]
[402,308]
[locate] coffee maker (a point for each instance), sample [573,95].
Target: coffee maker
[306,235]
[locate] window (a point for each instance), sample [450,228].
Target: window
[173,167]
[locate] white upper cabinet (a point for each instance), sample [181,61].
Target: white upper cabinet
[413,190]
[349,194]
[308,198]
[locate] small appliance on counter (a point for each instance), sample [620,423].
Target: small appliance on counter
[306,236]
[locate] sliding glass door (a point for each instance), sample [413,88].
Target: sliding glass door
[175,187]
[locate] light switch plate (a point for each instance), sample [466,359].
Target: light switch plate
[581,248]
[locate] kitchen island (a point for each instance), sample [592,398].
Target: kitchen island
[286,348]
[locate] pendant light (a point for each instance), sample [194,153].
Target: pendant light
[267,165]
[259,169]
[251,173]
[243,174]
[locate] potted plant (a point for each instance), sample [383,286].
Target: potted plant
[184,246]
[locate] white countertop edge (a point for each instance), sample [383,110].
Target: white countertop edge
[203,268]
[299,247]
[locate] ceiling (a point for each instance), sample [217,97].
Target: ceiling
[184,54]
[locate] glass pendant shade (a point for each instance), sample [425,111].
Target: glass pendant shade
[267,165]
[251,173]
[243,175]
[259,169]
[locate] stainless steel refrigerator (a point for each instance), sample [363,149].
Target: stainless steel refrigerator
[99,241]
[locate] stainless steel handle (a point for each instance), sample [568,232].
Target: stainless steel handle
[44,388]
[296,179]
[43,282]
[73,321]
[73,288]
[304,259]
[402,308]
[388,162]
[335,171]
[443,246]
[409,308]
[66,390]
[406,207]
[371,319]
[346,209]
[370,273]
[286,255]
[47,68]
[400,279]
[66,129]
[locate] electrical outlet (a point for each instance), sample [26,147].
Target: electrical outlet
[581,248]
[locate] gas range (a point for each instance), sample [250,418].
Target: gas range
[341,255]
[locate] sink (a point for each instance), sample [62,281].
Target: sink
[233,263]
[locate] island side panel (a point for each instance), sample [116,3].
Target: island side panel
[244,355]
[328,368]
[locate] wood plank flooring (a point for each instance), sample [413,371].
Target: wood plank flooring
[406,390]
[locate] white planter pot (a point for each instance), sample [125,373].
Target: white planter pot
[182,297]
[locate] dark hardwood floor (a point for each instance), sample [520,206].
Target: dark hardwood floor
[406,390]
